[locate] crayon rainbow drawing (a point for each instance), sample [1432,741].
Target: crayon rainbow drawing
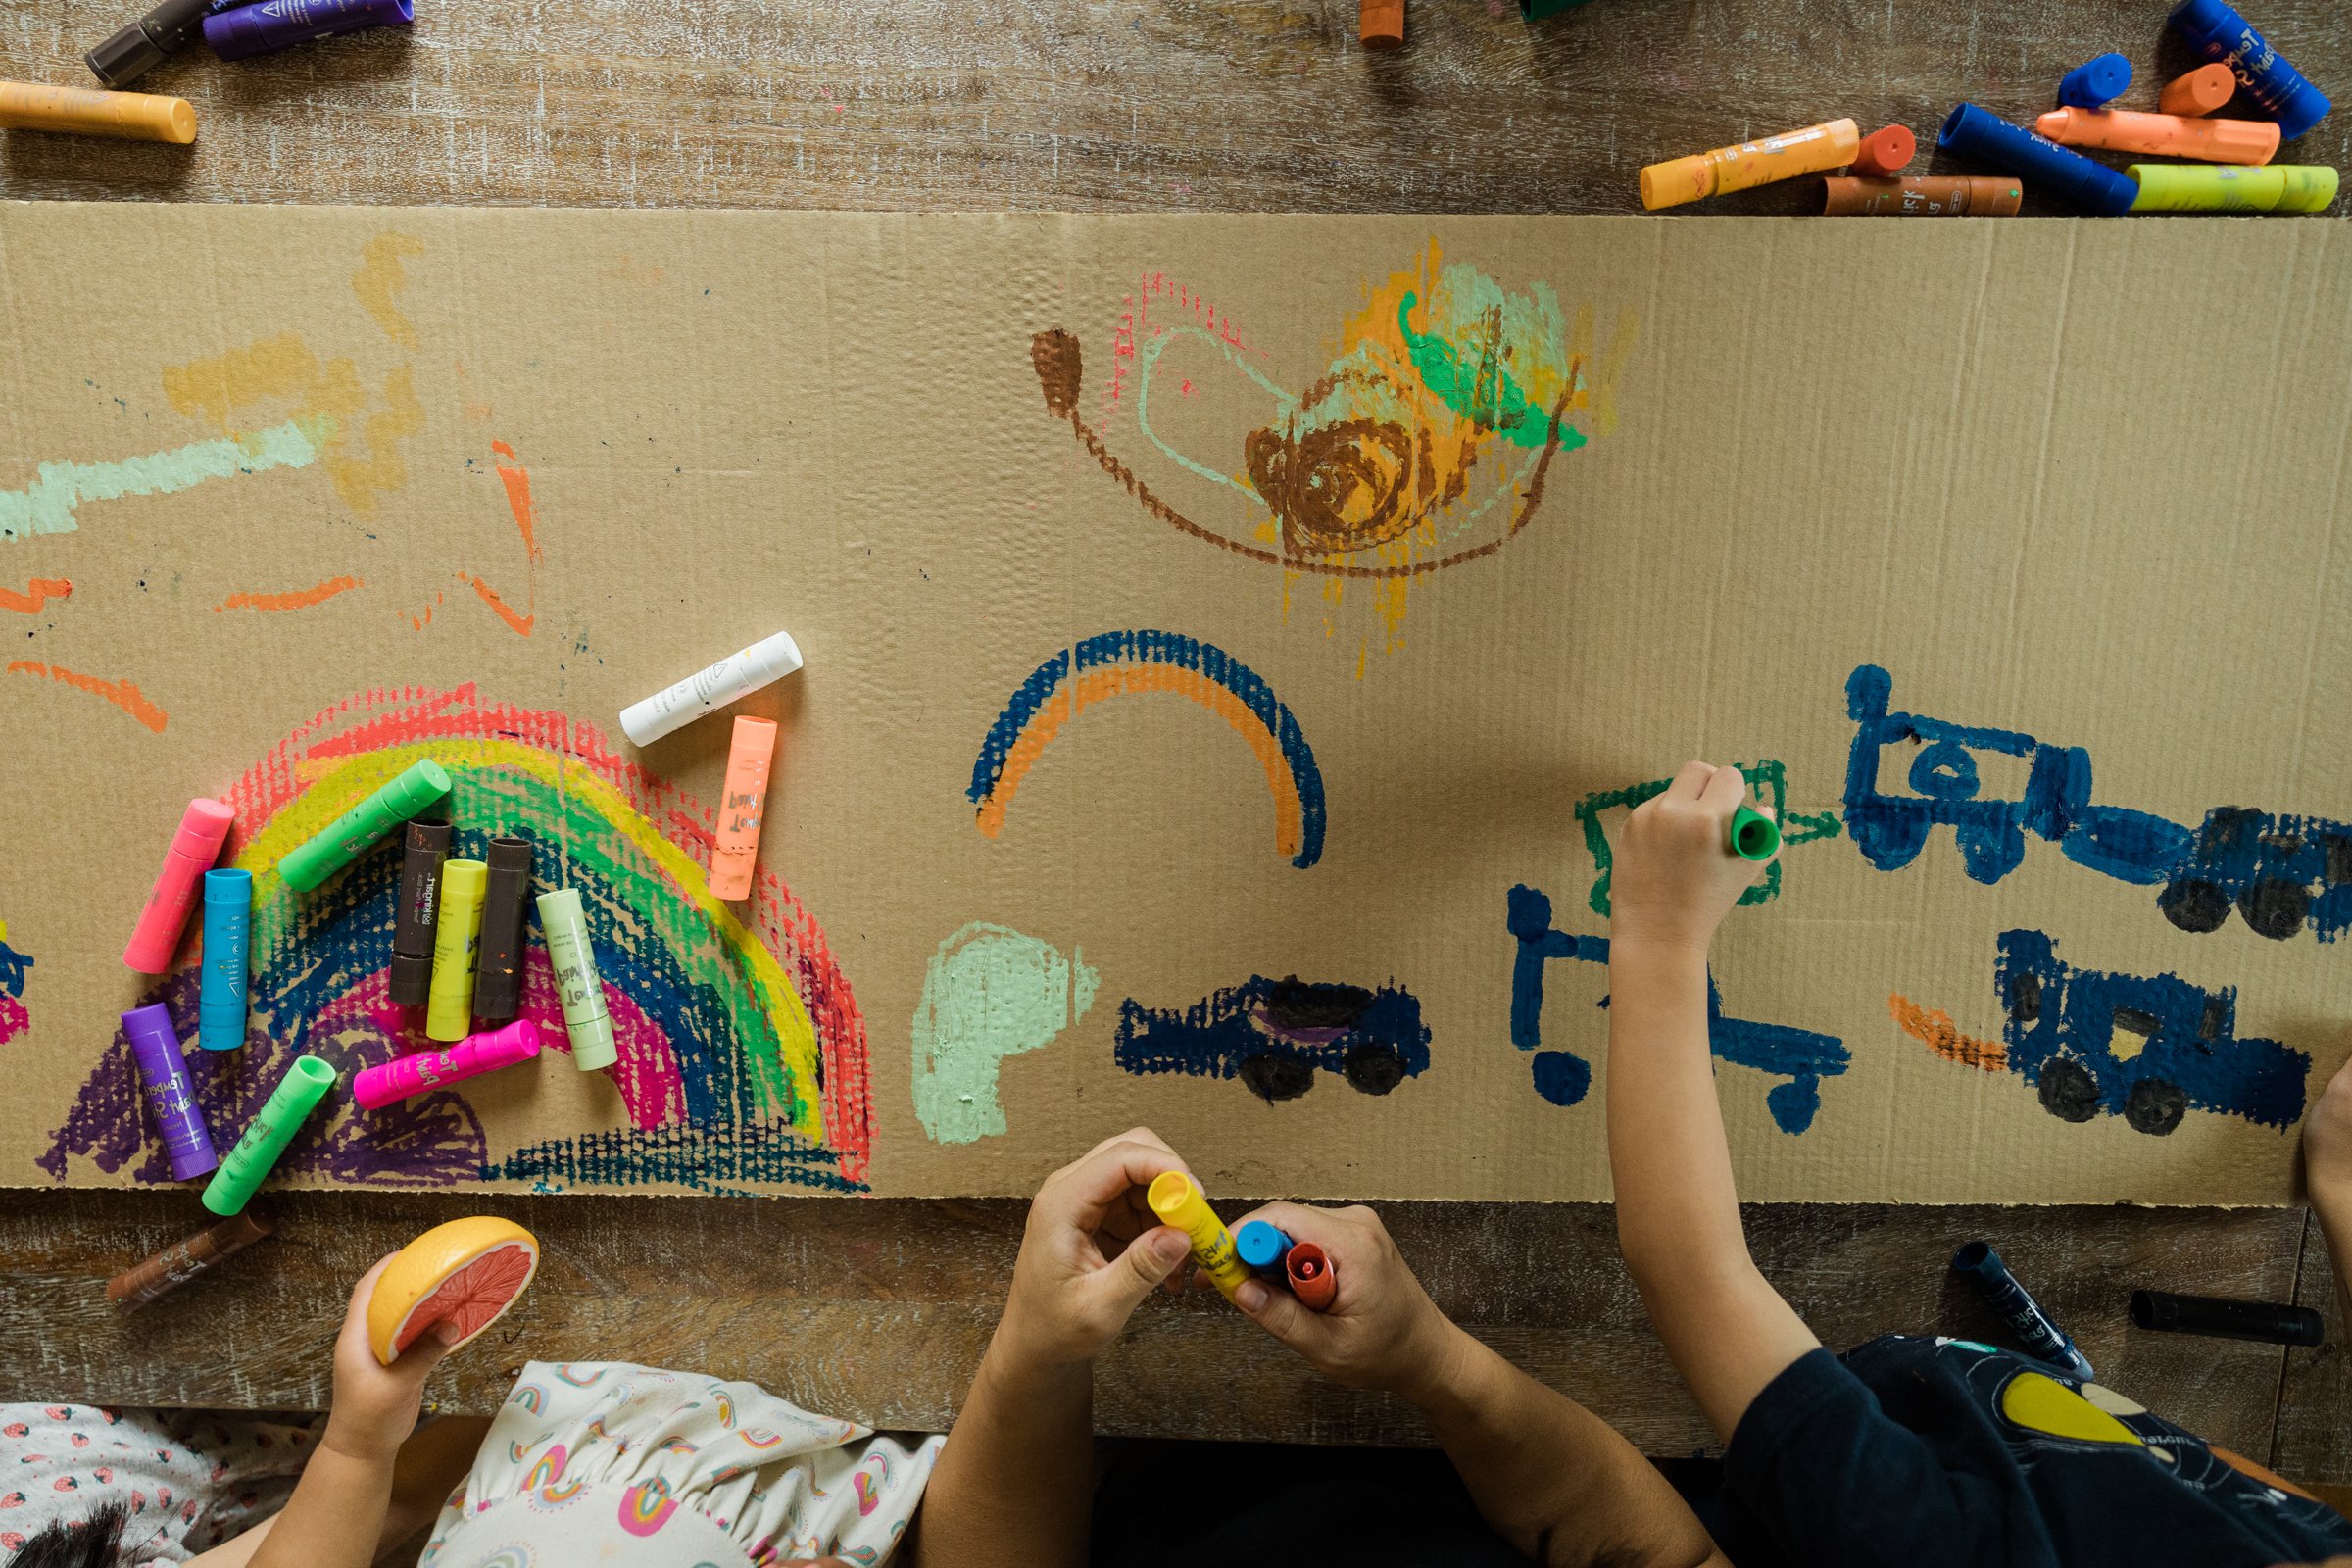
[742,1053]
[1800,1056]
[1117,664]
[2146,1048]
[1424,441]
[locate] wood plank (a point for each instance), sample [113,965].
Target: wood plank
[1245,105]
[879,1309]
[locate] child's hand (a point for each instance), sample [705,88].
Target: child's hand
[1382,1330]
[2327,1141]
[1674,877]
[375,1406]
[1093,1250]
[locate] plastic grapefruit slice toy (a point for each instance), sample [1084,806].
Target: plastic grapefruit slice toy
[466,1272]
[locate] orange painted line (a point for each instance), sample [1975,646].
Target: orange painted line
[1100,685]
[1936,1031]
[520,626]
[39,592]
[122,693]
[517,480]
[297,599]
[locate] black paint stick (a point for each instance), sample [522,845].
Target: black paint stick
[2266,1322]
[498,972]
[425,847]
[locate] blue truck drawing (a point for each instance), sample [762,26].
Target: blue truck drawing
[1276,1035]
[1564,1078]
[2148,1049]
[2279,872]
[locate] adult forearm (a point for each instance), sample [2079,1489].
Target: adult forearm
[2331,1206]
[1015,1483]
[1550,1476]
[335,1518]
[1678,1213]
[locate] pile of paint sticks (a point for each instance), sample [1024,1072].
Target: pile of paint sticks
[458,953]
[233,29]
[2234,172]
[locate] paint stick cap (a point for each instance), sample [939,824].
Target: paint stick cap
[2095,83]
[411,973]
[124,58]
[202,827]
[1379,24]
[2200,92]
[1885,152]
[418,787]
[593,1047]
[774,658]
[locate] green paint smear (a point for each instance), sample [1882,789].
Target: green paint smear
[989,993]
[570,827]
[1473,308]
[1767,782]
[46,505]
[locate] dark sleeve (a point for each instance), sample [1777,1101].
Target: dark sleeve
[1829,1475]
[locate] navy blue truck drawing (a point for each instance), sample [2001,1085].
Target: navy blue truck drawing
[2277,873]
[1564,1078]
[1276,1035]
[2146,1048]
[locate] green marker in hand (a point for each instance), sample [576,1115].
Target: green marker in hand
[1753,835]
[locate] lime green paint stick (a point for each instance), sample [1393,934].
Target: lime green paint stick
[350,835]
[249,1164]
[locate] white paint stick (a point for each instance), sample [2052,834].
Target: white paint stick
[739,673]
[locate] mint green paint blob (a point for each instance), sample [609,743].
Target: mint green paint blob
[46,505]
[989,993]
[1469,310]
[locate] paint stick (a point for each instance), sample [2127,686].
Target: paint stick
[163,1067]
[1749,163]
[351,834]
[2095,83]
[1973,133]
[1924,196]
[1313,1279]
[498,970]
[1884,152]
[735,852]
[389,1082]
[1379,24]
[425,845]
[577,985]
[168,1270]
[1752,835]
[1179,1201]
[2044,1339]
[2127,130]
[739,674]
[1262,1247]
[80,112]
[245,30]
[2216,33]
[2265,1322]
[266,1135]
[194,847]
[138,47]
[449,1006]
[228,977]
[2199,92]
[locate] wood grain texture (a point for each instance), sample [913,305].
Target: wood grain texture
[1082,105]
[879,1309]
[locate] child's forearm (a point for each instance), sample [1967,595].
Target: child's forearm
[1014,1485]
[2331,1206]
[1677,1210]
[1551,1478]
[335,1518]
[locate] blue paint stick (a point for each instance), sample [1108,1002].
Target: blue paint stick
[2095,83]
[2044,1339]
[227,934]
[2039,162]
[1262,1247]
[2216,32]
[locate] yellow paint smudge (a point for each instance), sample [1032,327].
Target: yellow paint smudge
[381,278]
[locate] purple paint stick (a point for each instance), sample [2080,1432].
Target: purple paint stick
[274,24]
[163,1068]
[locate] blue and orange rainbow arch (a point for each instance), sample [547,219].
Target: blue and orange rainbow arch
[1113,664]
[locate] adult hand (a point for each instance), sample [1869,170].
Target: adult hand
[1673,876]
[1382,1330]
[375,1406]
[1093,1250]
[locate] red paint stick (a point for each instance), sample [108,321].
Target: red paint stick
[1885,152]
[1313,1280]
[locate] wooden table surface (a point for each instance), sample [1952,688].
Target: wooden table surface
[878,1309]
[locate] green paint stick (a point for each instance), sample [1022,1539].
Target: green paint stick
[1753,835]
[577,985]
[249,1164]
[350,835]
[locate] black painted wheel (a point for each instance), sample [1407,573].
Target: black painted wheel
[2154,1106]
[1271,1077]
[1372,1070]
[2274,908]
[2068,1091]
[2194,905]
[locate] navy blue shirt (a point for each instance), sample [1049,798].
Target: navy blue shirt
[1916,1452]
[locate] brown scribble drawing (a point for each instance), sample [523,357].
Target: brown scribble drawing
[1289,471]
[1936,1030]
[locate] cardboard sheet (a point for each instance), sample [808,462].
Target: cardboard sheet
[1232,644]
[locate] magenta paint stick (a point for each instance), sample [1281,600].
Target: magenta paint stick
[170,1093]
[396,1080]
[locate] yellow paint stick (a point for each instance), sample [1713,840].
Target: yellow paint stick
[1178,1200]
[80,112]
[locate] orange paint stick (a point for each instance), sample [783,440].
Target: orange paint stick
[80,112]
[1751,163]
[1885,152]
[1379,24]
[737,849]
[2127,130]
[2200,92]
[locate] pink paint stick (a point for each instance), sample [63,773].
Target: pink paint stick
[396,1080]
[194,849]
